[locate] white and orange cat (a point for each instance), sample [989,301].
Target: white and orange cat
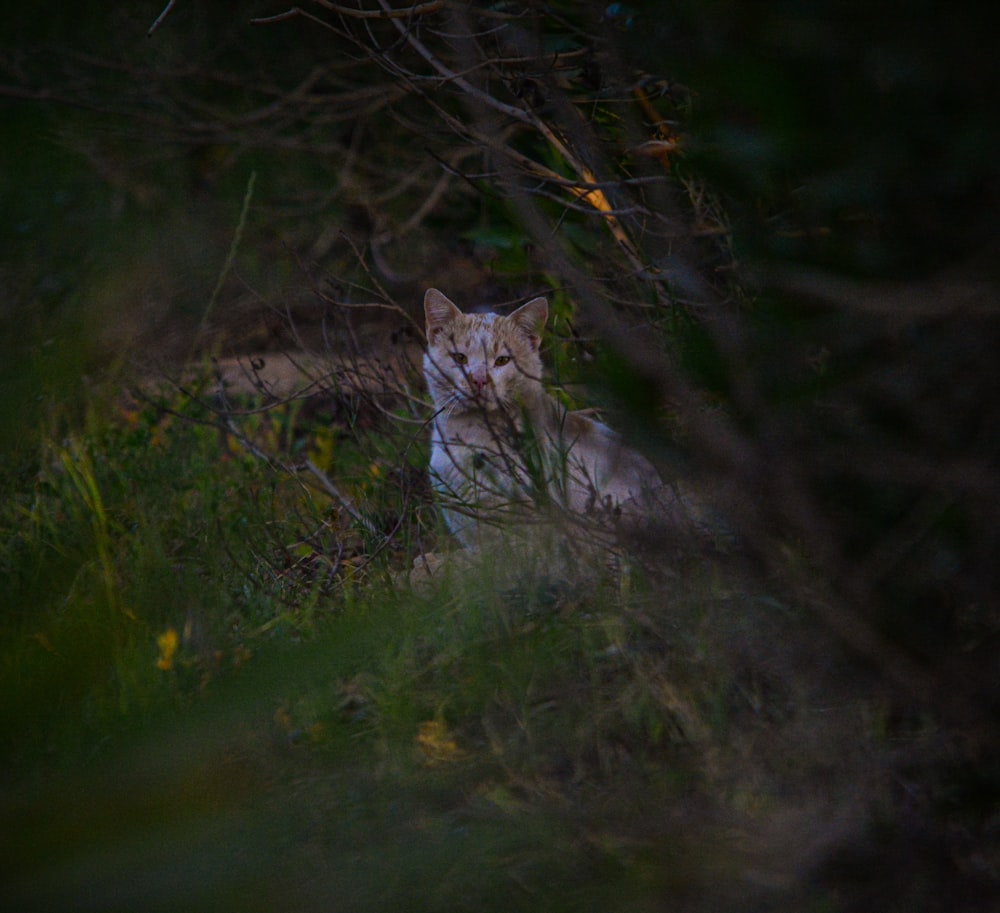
[504,452]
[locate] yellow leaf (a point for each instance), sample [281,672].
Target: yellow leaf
[436,743]
[44,641]
[167,642]
[283,719]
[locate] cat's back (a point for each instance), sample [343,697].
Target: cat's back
[604,461]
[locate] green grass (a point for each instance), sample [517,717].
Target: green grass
[322,737]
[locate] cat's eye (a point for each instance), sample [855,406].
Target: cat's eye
[460,358]
[501,360]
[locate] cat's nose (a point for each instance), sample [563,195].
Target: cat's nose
[479,378]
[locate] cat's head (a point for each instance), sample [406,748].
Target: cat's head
[486,361]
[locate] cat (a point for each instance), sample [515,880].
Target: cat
[503,451]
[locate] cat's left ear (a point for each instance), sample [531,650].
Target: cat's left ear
[531,318]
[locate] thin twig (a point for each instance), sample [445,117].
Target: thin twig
[385,13]
[161,17]
[277,17]
[341,498]
[231,255]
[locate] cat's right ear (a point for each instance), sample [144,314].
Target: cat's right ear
[439,311]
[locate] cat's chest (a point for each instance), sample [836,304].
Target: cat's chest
[469,452]
[474,439]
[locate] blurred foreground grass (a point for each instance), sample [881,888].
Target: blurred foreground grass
[199,711]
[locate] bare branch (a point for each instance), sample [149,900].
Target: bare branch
[386,12]
[161,17]
[341,498]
